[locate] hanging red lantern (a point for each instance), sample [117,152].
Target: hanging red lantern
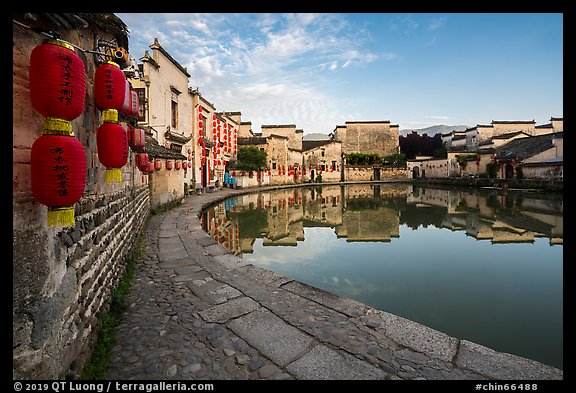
[189,164]
[134,104]
[142,161]
[189,156]
[178,165]
[214,117]
[189,150]
[109,86]
[127,99]
[203,160]
[169,165]
[57,80]
[199,108]
[136,138]
[58,175]
[112,145]
[157,165]
[200,125]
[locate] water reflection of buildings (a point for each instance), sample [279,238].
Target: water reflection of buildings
[376,212]
[516,217]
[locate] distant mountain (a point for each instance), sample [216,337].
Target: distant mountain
[433,130]
[316,136]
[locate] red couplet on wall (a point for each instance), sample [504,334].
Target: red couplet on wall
[112,145]
[109,86]
[58,176]
[57,80]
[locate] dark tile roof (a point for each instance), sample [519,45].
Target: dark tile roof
[509,135]
[309,145]
[523,148]
[252,140]
[457,149]
[549,125]
[278,126]
[155,150]
[80,20]
[513,121]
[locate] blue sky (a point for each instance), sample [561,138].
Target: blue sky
[321,70]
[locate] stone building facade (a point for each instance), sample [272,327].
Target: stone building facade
[377,137]
[322,157]
[62,276]
[166,105]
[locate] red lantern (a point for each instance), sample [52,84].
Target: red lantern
[157,165]
[109,86]
[189,156]
[127,99]
[134,104]
[199,108]
[142,161]
[189,164]
[203,160]
[200,125]
[57,80]
[112,145]
[178,165]
[136,138]
[169,165]
[150,167]
[58,175]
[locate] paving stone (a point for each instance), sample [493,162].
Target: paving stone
[277,340]
[231,309]
[325,363]
[486,361]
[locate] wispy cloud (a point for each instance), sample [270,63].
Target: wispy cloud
[268,66]
[436,23]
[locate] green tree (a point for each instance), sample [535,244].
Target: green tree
[250,158]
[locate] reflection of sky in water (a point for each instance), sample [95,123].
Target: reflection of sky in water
[505,296]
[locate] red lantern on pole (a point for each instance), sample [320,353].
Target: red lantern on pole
[58,175]
[109,86]
[112,147]
[57,80]
[136,138]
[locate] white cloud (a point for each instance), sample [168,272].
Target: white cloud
[436,23]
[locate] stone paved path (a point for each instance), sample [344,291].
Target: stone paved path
[195,311]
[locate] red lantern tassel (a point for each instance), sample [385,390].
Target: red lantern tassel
[112,145]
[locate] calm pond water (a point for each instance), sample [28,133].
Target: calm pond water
[474,264]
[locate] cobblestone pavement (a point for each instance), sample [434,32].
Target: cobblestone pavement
[196,311]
